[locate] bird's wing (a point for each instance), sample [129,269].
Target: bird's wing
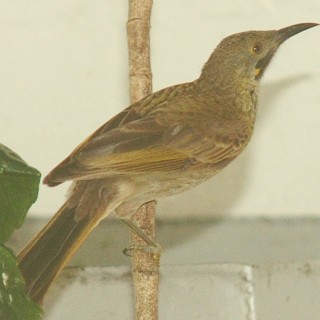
[128,142]
[132,143]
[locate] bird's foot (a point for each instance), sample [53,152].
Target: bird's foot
[150,246]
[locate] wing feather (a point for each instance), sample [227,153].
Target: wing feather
[143,141]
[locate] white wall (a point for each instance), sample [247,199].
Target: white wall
[63,72]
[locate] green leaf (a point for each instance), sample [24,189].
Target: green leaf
[14,303]
[19,185]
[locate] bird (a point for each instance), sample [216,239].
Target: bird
[164,144]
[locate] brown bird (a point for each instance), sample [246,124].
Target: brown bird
[166,143]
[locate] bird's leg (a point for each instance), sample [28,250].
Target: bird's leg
[150,247]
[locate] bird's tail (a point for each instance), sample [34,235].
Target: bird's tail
[45,256]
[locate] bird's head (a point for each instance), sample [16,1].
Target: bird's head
[247,54]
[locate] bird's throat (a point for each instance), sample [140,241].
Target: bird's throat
[262,65]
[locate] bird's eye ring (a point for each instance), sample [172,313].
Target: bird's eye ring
[257,48]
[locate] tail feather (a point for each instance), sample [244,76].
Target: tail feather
[44,257]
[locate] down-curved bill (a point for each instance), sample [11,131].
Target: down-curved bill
[290,31]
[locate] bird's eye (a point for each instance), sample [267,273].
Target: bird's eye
[257,48]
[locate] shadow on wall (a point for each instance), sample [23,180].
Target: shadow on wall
[271,91]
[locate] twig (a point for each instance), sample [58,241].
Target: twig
[145,266]
[138,26]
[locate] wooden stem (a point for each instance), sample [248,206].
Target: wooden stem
[145,266]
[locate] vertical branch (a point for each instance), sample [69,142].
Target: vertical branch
[138,26]
[145,266]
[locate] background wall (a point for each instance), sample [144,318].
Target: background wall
[63,72]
